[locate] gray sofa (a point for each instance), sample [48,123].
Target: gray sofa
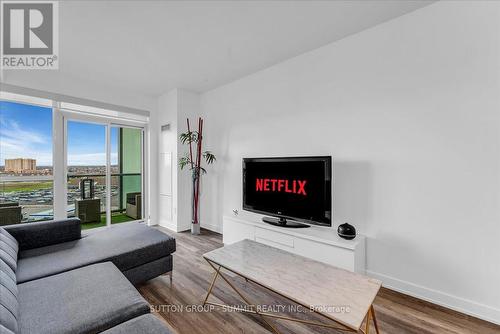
[55,280]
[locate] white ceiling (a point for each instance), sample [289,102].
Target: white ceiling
[151,47]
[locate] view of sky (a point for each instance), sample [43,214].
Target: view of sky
[26,132]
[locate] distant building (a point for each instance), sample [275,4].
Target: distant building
[20,165]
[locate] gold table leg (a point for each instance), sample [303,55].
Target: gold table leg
[217,272]
[374,319]
[367,325]
[371,314]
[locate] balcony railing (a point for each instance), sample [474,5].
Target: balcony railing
[121,184]
[34,193]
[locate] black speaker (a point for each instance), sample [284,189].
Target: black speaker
[346,231]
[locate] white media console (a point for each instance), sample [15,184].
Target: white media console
[318,243]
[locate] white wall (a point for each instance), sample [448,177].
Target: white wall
[174,190]
[410,111]
[167,175]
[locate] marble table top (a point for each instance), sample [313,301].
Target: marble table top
[336,293]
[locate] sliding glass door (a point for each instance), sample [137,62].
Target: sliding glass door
[126,174]
[104,164]
[86,172]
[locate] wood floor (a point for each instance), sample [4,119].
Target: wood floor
[179,305]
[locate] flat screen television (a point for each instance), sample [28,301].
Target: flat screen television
[295,188]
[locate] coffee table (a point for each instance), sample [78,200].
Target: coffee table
[344,298]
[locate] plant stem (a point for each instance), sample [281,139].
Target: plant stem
[198,170]
[190,148]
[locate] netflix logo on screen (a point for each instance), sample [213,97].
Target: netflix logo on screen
[297,188]
[281,185]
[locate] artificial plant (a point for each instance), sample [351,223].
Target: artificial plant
[193,160]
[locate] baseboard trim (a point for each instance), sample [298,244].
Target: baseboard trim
[173,227]
[169,225]
[469,307]
[212,227]
[149,222]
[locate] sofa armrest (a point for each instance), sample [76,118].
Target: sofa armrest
[45,233]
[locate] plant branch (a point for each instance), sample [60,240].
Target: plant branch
[190,136]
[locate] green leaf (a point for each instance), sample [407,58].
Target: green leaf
[185,161]
[189,137]
[209,157]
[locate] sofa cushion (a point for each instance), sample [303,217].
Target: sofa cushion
[8,249]
[4,330]
[144,324]
[44,233]
[4,267]
[9,239]
[8,283]
[7,270]
[127,246]
[85,300]
[9,307]
[8,255]
[7,319]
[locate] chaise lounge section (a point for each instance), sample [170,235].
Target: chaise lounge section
[52,247]
[53,279]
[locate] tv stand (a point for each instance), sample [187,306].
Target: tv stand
[316,242]
[283,222]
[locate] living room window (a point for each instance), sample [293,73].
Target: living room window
[61,160]
[26,169]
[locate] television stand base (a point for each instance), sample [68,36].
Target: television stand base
[282,222]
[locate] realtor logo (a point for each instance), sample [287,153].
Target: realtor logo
[29,35]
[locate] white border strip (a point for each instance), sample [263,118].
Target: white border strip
[69,99]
